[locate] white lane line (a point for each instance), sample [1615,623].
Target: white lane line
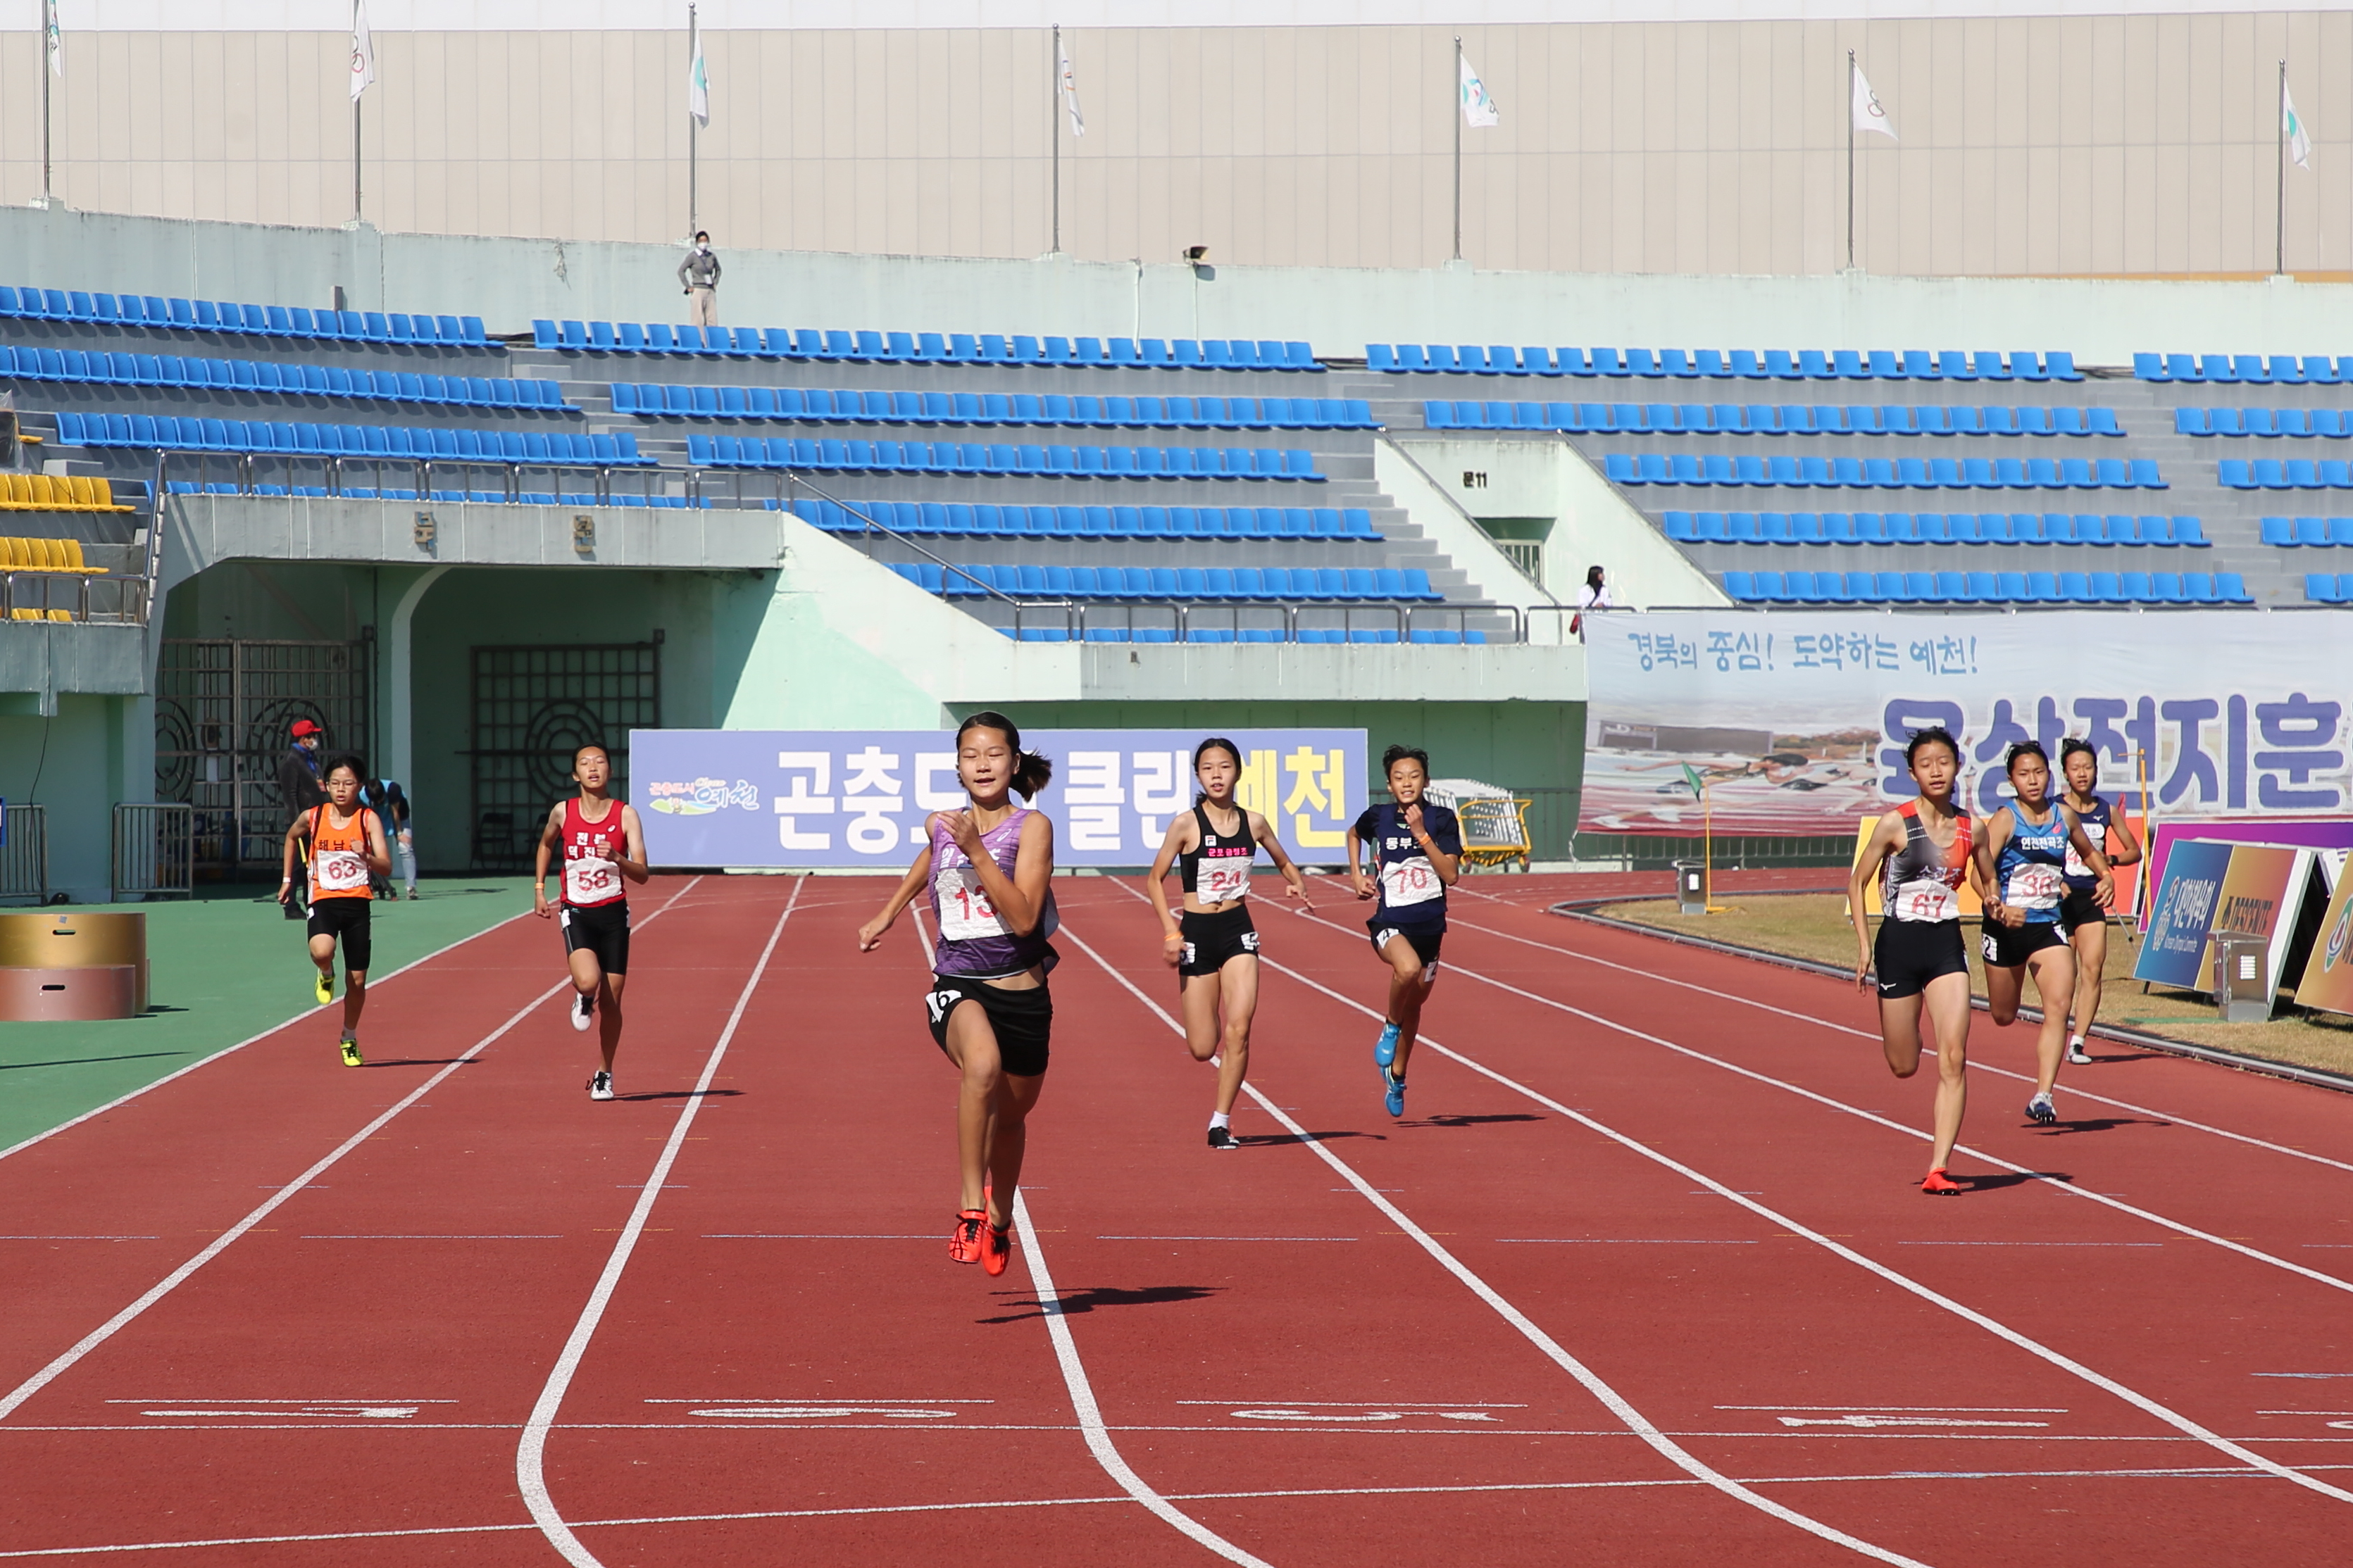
[2072,1091]
[2202,1473]
[2164,1412]
[531,1453]
[1074,1377]
[172,1281]
[1635,1421]
[2070,1188]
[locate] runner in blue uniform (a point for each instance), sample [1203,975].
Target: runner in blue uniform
[1417,852]
[989,870]
[2022,860]
[2081,915]
[1214,947]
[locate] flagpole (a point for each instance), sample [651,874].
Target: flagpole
[693,146]
[1457,146]
[1849,160]
[1054,130]
[42,58]
[2279,230]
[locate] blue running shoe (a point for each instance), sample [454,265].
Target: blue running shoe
[1396,1092]
[1385,1048]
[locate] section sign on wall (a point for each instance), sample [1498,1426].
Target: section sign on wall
[1798,721]
[820,798]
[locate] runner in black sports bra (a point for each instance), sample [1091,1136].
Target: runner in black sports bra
[1214,947]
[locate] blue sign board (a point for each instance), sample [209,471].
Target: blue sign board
[820,798]
[2183,915]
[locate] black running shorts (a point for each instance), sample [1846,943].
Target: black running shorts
[1910,953]
[2080,908]
[2007,947]
[1426,940]
[1210,940]
[1022,1021]
[346,920]
[599,929]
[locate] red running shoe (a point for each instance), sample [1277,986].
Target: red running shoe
[1937,1183]
[963,1241]
[996,1247]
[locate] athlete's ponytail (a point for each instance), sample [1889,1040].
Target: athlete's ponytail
[1031,771]
[1214,743]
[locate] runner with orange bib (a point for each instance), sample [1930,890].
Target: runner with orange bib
[346,844]
[604,848]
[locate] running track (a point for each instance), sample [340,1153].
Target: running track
[1640,1279]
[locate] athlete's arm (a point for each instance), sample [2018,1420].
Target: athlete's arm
[1020,900]
[1156,885]
[2104,886]
[1356,878]
[1882,843]
[1447,867]
[1987,861]
[634,866]
[294,837]
[379,853]
[904,894]
[549,836]
[2121,848]
[1294,882]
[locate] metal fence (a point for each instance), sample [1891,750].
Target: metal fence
[1553,837]
[155,850]
[25,854]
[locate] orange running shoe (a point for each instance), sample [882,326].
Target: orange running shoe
[996,1247]
[963,1241]
[1937,1183]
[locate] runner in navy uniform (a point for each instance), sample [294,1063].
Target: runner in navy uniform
[2022,862]
[989,870]
[1923,846]
[1214,949]
[2081,915]
[1417,852]
[602,844]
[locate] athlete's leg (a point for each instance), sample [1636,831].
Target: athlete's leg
[1949,1012]
[323,955]
[1240,989]
[2004,982]
[1409,984]
[587,975]
[1899,1033]
[972,1046]
[355,999]
[1008,1142]
[1197,999]
[2091,944]
[608,1016]
[2054,969]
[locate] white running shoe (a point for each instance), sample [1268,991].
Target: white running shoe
[2041,1110]
[2076,1055]
[584,1011]
[601,1086]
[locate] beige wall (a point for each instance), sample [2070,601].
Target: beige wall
[2077,144]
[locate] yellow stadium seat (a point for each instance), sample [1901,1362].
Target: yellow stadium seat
[76,562]
[82,491]
[25,615]
[40,495]
[11,554]
[65,616]
[103,495]
[19,490]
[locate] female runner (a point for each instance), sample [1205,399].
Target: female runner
[1923,846]
[601,842]
[1418,850]
[987,868]
[2079,914]
[1215,949]
[346,847]
[2021,866]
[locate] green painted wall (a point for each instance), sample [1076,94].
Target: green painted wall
[72,764]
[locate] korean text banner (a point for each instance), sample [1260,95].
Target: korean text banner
[857,797]
[1798,721]
[2175,952]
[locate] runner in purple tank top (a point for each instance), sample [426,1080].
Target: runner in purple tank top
[987,869]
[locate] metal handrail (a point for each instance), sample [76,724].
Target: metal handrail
[793,477]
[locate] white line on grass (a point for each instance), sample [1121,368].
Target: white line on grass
[531,1453]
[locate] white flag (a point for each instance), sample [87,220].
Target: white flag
[1479,110]
[697,75]
[56,40]
[1069,88]
[1868,115]
[2299,139]
[362,51]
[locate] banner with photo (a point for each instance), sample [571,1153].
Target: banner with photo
[826,798]
[1796,721]
[2328,982]
[2214,889]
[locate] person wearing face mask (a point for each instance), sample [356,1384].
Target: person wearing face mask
[698,275]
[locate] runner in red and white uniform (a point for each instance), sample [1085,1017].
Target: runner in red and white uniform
[602,845]
[346,844]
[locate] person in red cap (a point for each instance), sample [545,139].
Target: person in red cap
[297,783]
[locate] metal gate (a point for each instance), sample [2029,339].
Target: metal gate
[222,710]
[533,707]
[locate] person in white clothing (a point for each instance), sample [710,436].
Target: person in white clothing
[1594,595]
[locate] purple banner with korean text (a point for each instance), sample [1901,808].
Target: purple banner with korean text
[831,799]
[1798,721]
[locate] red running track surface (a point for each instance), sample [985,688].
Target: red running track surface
[1643,1275]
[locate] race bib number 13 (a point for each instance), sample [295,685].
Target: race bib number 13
[965,913]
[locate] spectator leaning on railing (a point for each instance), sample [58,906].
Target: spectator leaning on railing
[1594,595]
[699,275]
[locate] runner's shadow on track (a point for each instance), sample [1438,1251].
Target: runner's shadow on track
[2100,1124]
[1276,1140]
[1993,1181]
[424,1062]
[1453,1120]
[77,1061]
[1096,1297]
[683,1094]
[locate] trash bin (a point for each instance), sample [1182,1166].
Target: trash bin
[2243,979]
[1690,886]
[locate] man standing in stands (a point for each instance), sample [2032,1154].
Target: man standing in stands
[298,782]
[699,275]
